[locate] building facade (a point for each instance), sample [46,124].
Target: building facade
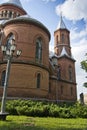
[35,74]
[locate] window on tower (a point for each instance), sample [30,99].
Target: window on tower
[5,13]
[2,14]
[10,14]
[70,73]
[57,39]
[39,49]
[62,38]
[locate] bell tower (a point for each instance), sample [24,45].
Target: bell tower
[61,39]
[66,63]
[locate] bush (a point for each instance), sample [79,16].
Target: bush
[45,109]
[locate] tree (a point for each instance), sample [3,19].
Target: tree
[84,67]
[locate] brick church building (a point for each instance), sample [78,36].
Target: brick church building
[36,74]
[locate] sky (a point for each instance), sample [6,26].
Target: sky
[74,13]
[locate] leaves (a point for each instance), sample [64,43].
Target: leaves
[45,109]
[85,84]
[84,67]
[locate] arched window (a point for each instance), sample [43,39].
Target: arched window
[62,38]
[10,40]
[59,72]
[39,49]
[3,77]
[70,73]
[38,80]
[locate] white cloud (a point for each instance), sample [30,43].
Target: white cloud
[80,35]
[73,9]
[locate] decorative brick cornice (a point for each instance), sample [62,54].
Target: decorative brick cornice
[27,63]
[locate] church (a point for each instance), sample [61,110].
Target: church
[36,74]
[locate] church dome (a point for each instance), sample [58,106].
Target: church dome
[14,2]
[27,19]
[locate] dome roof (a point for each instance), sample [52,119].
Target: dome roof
[27,19]
[14,2]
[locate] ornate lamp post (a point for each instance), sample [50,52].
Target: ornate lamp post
[8,53]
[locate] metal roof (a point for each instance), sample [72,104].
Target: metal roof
[14,2]
[27,19]
[61,24]
[64,52]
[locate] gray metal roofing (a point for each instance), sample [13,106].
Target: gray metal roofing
[27,19]
[61,24]
[15,2]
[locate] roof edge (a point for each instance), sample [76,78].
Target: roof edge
[6,4]
[28,20]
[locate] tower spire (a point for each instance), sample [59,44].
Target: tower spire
[61,24]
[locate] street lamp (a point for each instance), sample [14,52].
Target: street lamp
[8,52]
[55,60]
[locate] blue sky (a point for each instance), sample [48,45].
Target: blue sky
[75,18]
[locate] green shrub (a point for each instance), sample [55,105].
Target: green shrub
[45,109]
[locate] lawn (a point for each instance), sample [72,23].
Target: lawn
[36,123]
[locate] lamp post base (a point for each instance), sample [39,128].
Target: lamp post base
[3,116]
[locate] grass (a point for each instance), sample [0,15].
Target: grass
[36,123]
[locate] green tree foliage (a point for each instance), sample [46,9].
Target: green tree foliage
[84,67]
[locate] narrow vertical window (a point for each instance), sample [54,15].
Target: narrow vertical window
[63,38]
[39,50]
[5,13]
[70,73]
[57,39]
[59,72]
[38,80]
[3,78]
